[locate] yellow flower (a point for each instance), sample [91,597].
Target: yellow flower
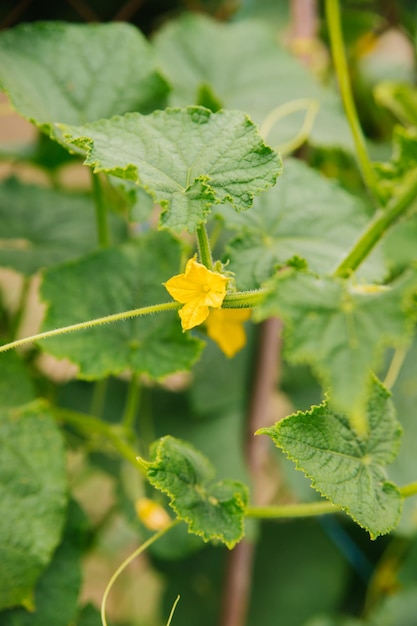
[225,327]
[152,514]
[198,289]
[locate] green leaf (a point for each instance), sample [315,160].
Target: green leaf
[306,215]
[112,281]
[32,498]
[213,510]
[43,227]
[339,328]
[245,69]
[346,468]
[16,387]
[57,590]
[188,159]
[77,73]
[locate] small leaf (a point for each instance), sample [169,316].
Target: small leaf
[42,227]
[112,281]
[343,467]
[77,73]
[213,510]
[32,498]
[340,328]
[187,159]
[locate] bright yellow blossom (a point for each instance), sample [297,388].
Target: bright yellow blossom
[198,289]
[152,514]
[225,327]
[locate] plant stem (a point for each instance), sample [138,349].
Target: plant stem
[204,247]
[244,299]
[291,510]
[101,212]
[342,71]
[126,562]
[132,403]
[310,509]
[98,397]
[375,230]
[395,367]
[115,317]
[89,424]
[409,490]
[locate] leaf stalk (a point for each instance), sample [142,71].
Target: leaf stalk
[382,221]
[340,63]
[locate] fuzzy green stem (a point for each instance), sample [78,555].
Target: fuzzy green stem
[342,71]
[291,510]
[204,247]
[244,299]
[115,317]
[103,233]
[132,403]
[89,424]
[395,367]
[126,562]
[375,230]
[409,490]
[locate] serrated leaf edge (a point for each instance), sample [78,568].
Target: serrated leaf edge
[268,431]
[191,523]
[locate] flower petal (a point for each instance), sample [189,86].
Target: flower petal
[225,327]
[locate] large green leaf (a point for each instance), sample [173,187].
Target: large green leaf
[213,510]
[42,227]
[111,281]
[32,498]
[187,159]
[340,328]
[243,67]
[305,215]
[78,73]
[346,468]
[56,592]
[16,387]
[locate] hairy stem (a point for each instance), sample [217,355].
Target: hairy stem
[243,299]
[376,229]
[342,71]
[115,317]
[291,510]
